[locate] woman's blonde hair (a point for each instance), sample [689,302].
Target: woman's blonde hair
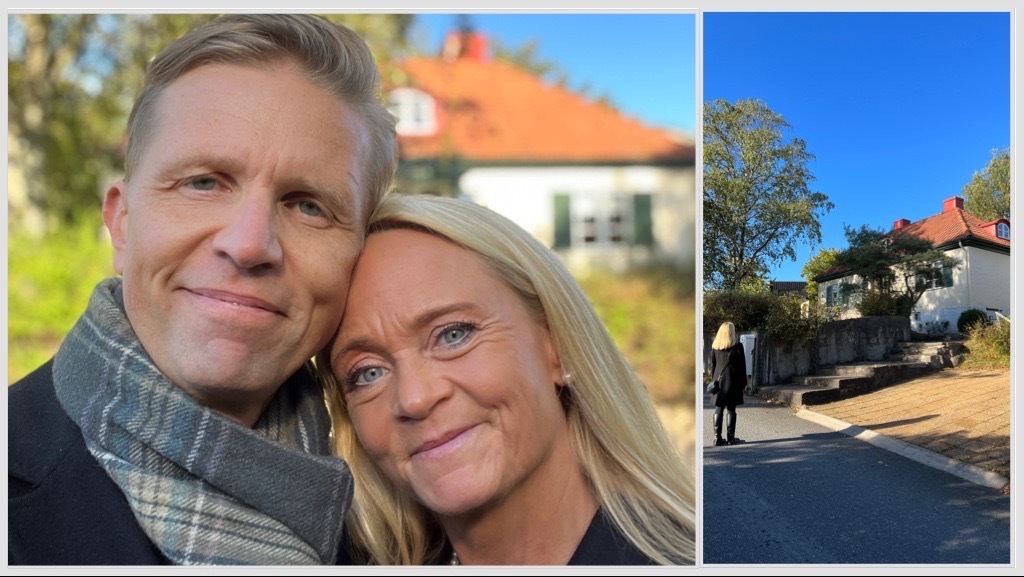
[616,435]
[726,336]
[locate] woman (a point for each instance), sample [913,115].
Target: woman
[485,412]
[729,368]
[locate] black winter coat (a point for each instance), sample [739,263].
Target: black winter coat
[729,366]
[62,507]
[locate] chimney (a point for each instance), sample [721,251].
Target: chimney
[900,224]
[466,44]
[952,203]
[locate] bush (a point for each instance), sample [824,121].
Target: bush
[747,310]
[988,346]
[878,304]
[651,317]
[970,317]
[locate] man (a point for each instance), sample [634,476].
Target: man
[177,423]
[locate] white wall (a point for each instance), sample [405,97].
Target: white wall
[524,195]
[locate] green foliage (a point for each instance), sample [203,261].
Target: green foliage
[987,195]
[786,321]
[883,304]
[817,264]
[779,316]
[988,346]
[48,286]
[970,317]
[650,315]
[745,309]
[757,203]
[889,263]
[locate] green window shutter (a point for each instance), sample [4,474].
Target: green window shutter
[643,225]
[947,275]
[563,222]
[828,295]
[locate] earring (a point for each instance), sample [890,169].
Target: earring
[566,378]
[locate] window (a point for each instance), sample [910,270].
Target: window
[603,220]
[835,296]
[938,277]
[414,110]
[1003,230]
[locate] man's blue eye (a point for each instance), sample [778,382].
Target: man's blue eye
[310,208]
[203,183]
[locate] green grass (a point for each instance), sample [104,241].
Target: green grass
[988,346]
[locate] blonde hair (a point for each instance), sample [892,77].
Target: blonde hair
[332,57]
[615,431]
[726,336]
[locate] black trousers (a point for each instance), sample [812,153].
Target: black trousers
[730,421]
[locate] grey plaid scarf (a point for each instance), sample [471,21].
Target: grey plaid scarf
[204,488]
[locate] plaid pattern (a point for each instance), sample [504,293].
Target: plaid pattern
[205,489]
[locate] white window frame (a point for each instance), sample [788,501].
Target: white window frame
[1003,230]
[415,110]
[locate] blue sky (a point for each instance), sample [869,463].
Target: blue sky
[900,109]
[645,63]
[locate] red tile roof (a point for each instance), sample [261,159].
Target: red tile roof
[492,111]
[943,229]
[952,226]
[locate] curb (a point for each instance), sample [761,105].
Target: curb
[963,470]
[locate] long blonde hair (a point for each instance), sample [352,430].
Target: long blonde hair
[726,336]
[616,434]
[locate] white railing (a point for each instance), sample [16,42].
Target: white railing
[1001,317]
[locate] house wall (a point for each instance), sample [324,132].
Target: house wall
[981,280]
[526,196]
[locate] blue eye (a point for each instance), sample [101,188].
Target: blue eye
[203,183]
[310,208]
[455,334]
[364,376]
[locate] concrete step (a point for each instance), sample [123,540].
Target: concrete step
[844,381]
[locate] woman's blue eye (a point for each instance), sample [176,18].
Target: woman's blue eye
[364,376]
[310,208]
[455,334]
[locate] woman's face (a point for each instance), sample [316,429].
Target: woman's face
[450,384]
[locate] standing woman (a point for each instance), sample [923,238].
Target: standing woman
[729,368]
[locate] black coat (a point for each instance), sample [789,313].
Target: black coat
[729,366]
[62,508]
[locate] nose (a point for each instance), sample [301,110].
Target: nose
[249,237]
[419,390]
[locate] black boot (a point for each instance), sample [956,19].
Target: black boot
[730,427]
[718,430]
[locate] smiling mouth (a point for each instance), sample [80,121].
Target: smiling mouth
[236,301]
[449,441]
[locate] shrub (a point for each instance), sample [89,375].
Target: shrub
[651,317]
[879,304]
[747,310]
[970,317]
[988,346]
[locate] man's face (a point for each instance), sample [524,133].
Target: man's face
[239,229]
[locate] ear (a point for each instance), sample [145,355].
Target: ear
[115,209]
[554,362]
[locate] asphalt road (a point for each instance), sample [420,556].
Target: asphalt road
[795,492]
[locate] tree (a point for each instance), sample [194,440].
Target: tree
[987,195]
[757,203]
[817,264]
[895,269]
